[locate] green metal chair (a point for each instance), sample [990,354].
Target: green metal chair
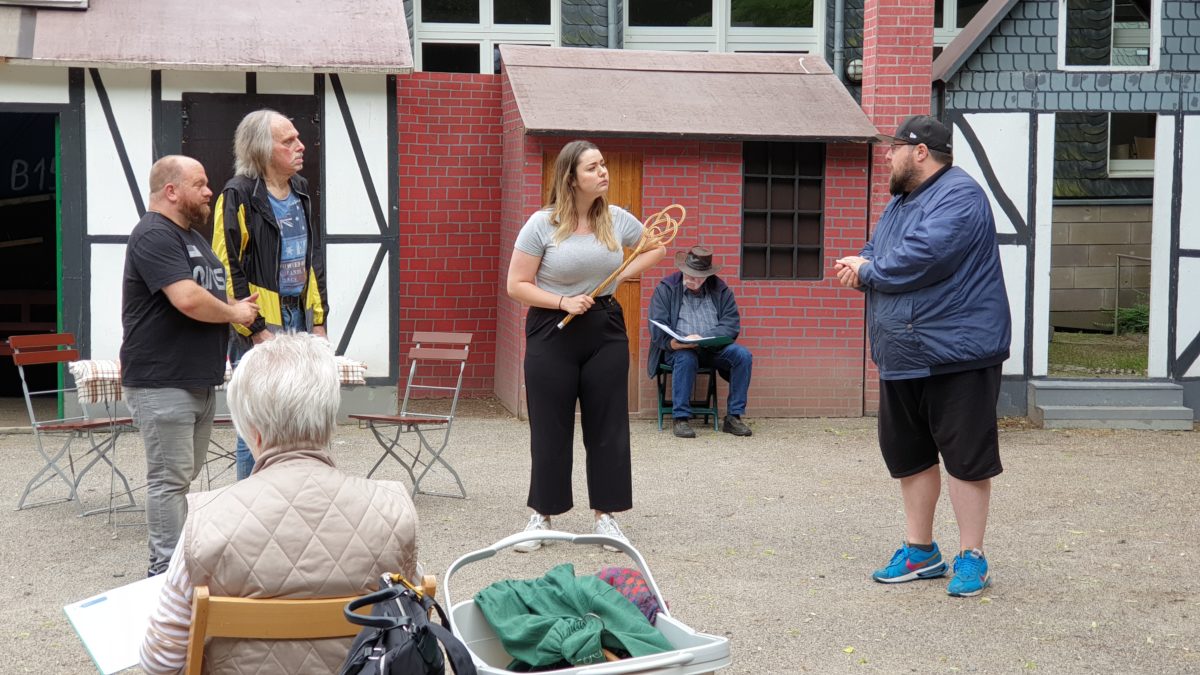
[706,407]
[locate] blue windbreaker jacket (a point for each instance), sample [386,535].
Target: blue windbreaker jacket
[935,288]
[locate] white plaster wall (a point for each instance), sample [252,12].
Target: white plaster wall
[108,265]
[1044,212]
[1012,258]
[33,84]
[346,204]
[1004,137]
[1188,317]
[298,84]
[1160,251]
[175,82]
[110,205]
[347,266]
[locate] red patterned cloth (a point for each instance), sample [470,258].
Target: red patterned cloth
[632,585]
[97,381]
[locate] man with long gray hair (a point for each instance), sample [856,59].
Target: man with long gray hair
[297,528]
[267,239]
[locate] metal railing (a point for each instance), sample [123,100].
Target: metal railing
[1117,287]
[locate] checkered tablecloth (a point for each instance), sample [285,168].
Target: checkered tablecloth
[100,381]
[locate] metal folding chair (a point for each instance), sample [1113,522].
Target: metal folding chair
[100,433]
[433,361]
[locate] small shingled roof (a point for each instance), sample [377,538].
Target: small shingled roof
[343,36]
[636,93]
[968,40]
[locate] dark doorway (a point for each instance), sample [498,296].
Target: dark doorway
[28,238]
[209,121]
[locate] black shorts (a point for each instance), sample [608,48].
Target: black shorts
[952,414]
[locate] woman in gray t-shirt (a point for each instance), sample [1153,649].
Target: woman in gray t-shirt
[561,254]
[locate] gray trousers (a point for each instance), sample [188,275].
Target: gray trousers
[176,425]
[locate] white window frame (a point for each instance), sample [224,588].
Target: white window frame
[944,34]
[485,34]
[723,37]
[1155,42]
[1130,168]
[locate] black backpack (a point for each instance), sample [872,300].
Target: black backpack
[398,638]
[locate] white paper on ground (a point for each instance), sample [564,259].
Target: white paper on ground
[113,624]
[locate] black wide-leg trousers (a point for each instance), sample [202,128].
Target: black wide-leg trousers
[588,361]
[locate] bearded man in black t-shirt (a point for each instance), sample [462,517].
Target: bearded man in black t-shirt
[176,314]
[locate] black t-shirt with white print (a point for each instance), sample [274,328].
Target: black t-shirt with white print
[163,347]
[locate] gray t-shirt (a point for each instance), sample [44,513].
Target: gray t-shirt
[580,262]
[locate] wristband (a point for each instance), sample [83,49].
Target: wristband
[560,299]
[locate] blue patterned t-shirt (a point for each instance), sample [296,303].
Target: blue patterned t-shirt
[293,228]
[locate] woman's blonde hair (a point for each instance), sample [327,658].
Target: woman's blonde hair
[562,199]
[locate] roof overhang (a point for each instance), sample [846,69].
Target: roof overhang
[634,93]
[342,36]
[969,38]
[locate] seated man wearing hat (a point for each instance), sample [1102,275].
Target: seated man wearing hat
[695,303]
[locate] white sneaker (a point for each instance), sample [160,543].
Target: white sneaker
[536,522]
[607,525]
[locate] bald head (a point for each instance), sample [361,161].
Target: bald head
[169,170]
[179,190]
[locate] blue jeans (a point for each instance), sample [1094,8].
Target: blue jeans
[294,320]
[734,363]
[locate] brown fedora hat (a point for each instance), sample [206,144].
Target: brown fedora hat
[696,262]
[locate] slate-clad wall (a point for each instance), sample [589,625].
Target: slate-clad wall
[585,23]
[1015,68]
[852,17]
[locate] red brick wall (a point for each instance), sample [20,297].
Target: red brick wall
[449,201]
[897,63]
[807,336]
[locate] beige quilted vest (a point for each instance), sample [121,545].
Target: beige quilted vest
[296,528]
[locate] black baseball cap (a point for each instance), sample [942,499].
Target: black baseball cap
[917,129]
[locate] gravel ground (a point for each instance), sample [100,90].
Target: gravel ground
[767,540]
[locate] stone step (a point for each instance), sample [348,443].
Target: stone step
[1160,418]
[1105,393]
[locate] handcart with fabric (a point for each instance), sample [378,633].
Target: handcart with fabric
[680,650]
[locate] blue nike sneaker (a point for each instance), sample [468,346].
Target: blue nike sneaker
[910,564]
[970,574]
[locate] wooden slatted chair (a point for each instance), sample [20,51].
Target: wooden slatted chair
[99,433]
[268,619]
[432,360]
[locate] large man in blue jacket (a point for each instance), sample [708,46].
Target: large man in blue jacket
[695,303]
[939,325]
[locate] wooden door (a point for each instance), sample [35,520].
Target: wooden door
[625,191]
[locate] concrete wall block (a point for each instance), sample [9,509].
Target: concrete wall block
[1081,320]
[1105,254]
[1060,233]
[1080,300]
[1076,214]
[1099,233]
[1062,277]
[1140,233]
[1135,277]
[1141,213]
[1095,277]
[1069,256]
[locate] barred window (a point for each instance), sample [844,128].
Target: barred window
[783,199]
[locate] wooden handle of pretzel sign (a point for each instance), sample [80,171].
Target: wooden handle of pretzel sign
[658,230]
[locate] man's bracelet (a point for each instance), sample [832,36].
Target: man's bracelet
[560,299]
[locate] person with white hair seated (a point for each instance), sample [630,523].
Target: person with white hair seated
[296,528]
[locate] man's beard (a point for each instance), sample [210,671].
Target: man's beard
[197,214]
[902,179]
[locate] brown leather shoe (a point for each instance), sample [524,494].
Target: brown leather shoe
[682,429]
[734,425]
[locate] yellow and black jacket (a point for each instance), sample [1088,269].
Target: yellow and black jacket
[248,241]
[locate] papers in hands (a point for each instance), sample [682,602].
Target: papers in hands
[703,341]
[112,625]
